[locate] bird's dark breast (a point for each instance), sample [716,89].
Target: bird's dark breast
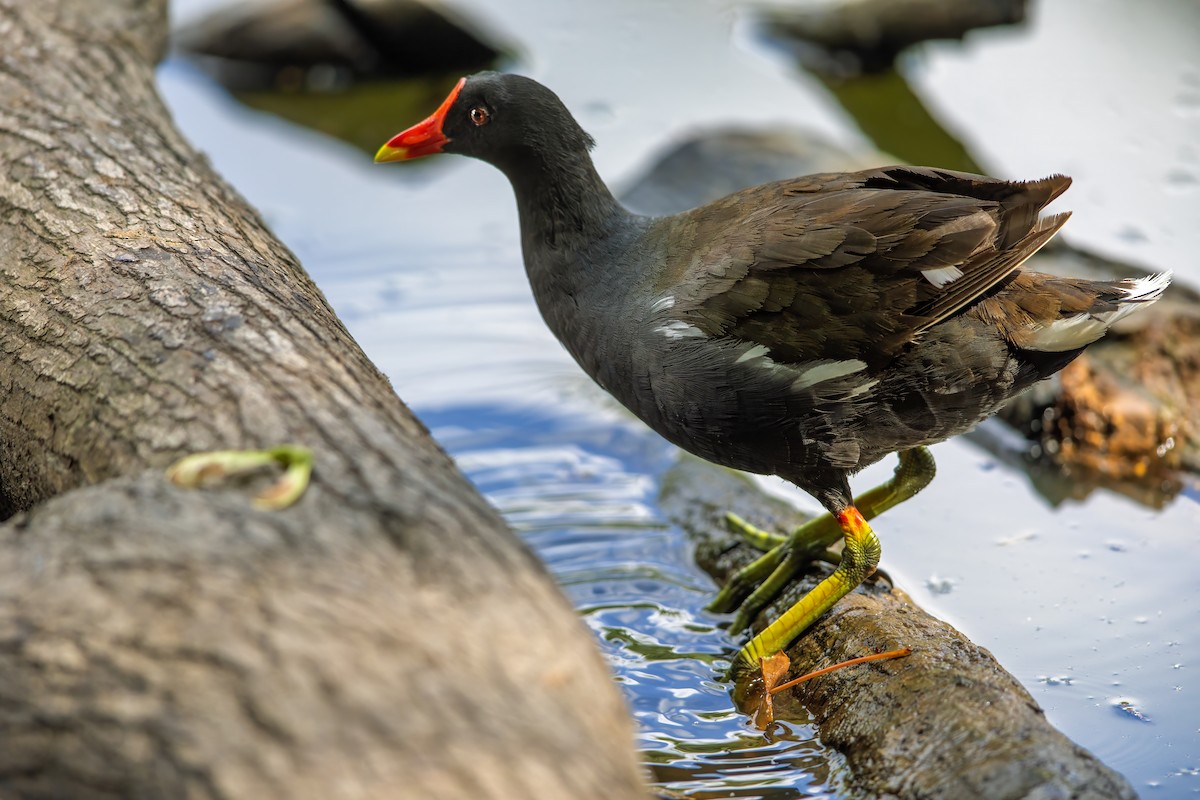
[749,414]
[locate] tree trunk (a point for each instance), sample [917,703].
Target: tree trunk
[386,637]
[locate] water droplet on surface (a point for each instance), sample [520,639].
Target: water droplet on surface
[1056,680]
[599,113]
[1132,234]
[939,585]
[1129,707]
[1187,103]
[1182,181]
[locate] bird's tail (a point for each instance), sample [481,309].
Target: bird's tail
[1089,308]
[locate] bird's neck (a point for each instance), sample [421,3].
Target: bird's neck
[563,203]
[575,238]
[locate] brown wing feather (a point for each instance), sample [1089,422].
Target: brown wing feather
[831,266]
[976,282]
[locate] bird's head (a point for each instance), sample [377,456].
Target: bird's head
[499,118]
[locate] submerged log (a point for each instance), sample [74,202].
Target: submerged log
[369,38]
[386,637]
[846,37]
[946,721]
[1131,410]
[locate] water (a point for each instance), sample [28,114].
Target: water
[582,493]
[1090,604]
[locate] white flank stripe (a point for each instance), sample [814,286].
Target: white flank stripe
[940,276]
[826,371]
[862,388]
[675,329]
[757,351]
[663,303]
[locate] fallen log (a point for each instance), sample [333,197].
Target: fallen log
[387,636]
[946,721]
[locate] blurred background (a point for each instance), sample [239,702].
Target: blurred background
[1077,573]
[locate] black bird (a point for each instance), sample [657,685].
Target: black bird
[804,328]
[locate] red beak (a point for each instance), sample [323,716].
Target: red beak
[423,139]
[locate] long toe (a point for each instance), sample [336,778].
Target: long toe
[743,582]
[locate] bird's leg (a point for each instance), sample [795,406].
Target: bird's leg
[859,557]
[768,574]
[914,472]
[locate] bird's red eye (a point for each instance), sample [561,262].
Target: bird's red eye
[480,116]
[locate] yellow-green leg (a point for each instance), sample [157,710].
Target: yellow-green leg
[788,555]
[859,557]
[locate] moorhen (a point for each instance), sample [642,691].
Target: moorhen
[804,328]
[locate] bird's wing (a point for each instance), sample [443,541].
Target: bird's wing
[832,268]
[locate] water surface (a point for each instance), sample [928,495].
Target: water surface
[1093,605]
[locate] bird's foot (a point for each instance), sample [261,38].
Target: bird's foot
[756,537]
[754,585]
[743,582]
[201,469]
[858,559]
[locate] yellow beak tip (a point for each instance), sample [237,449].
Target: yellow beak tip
[387,153]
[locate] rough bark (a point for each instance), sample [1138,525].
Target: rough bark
[386,637]
[945,722]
